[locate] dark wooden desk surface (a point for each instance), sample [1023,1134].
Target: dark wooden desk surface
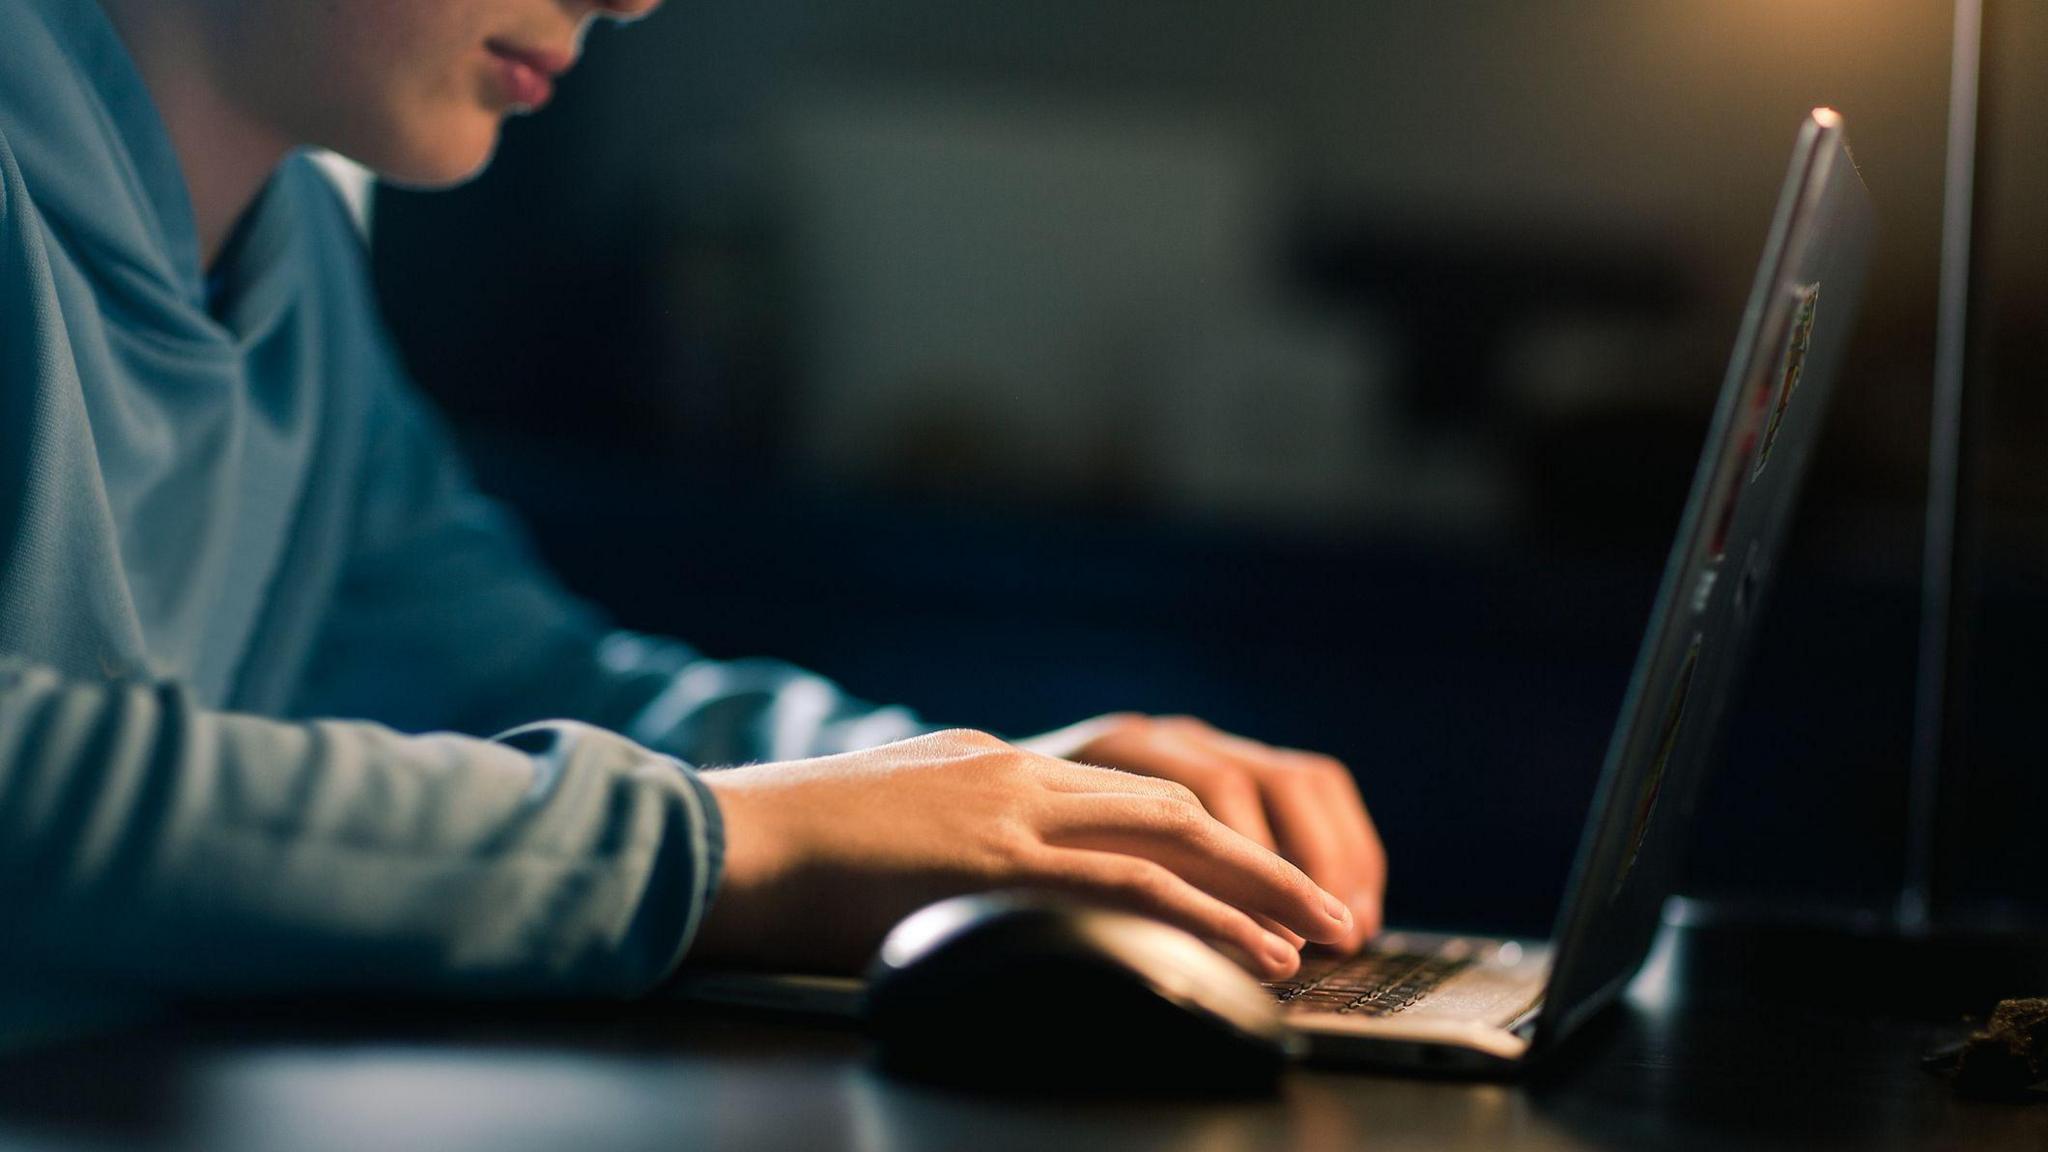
[1703,1055]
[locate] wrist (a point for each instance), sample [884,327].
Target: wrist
[732,928]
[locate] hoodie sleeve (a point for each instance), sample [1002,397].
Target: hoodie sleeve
[445,619]
[146,840]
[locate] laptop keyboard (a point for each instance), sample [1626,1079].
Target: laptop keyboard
[1369,984]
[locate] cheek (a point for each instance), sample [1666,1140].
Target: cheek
[419,81]
[419,55]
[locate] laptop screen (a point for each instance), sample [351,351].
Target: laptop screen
[1673,720]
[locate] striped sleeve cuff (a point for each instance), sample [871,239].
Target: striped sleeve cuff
[685,874]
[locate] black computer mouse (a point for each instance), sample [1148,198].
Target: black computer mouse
[1029,991]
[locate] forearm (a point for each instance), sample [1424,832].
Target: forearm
[147,840]
[447,620]
[718,713]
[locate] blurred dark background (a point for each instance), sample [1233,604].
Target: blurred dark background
[1331,370]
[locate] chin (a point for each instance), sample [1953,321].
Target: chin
[453,155]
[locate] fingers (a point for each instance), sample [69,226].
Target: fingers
[1178,834]
[1303,806]
[1320,822]
[1308,838]
[1356,831]
[1173,751]
[1281,930]
[1150,888]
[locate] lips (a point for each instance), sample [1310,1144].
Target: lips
[526,76]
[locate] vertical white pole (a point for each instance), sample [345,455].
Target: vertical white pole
[1944,467]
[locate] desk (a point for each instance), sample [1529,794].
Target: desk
[1696,1058]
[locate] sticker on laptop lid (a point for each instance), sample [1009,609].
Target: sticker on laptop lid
[1653,782]
[1792,361]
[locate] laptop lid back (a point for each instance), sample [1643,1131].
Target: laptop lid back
[1674,717]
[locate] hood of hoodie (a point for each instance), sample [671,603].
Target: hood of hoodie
[162,455]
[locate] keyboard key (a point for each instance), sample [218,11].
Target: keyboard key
[1373,984]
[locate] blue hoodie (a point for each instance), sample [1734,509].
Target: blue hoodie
[221,520]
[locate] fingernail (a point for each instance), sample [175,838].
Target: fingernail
[1282,954]
[1337,909]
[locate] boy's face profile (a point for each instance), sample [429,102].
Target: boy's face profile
[415,89]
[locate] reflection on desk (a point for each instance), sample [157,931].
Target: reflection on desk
[1718,1045]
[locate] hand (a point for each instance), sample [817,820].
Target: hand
[1300,804]
[823,856]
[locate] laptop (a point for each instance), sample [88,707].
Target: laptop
[1476,1004]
